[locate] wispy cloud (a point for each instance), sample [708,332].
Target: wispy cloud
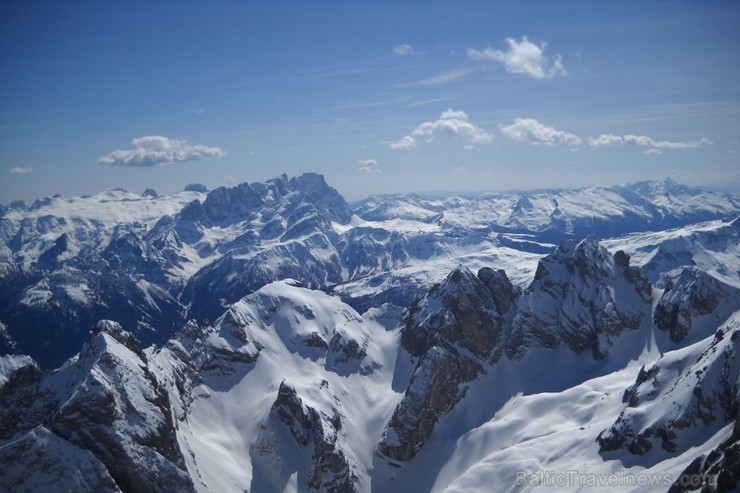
[368,166]
[444,78]
[155,150]
[522,57]
[451,123]
[19,170]
[533,132]
[604,140]
[430,101]
[370,104]
[404,50]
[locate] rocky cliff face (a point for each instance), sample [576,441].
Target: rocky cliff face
[105,402]
[42,461]
[581,296]
[717,471]
[455,331]
[694,300]
[314,446]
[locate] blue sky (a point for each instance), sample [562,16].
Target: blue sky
[377,96]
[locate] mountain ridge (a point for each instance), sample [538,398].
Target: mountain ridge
[71,259]
[331,391]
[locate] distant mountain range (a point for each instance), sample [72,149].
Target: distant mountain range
[273,337]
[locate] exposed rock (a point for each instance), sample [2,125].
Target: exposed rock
[41,461]
[120,413]
[316,432]
[681,392]
[438,383]
[290,410]
[580,296]
[502,290]
[24,403]
[107,408]
[691,295]
[455,331]
[715,472]
[204,349]
[459,312]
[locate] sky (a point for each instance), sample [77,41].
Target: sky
[379,97]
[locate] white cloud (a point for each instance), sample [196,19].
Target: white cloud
[522,57]
[452,123]
[368,166]
[18,170]
[605,140]
[666,144]
[533,132]
[652,151]
[645,141]
[155,150]
[404,50]
[403,144]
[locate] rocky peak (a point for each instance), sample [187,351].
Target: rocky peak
[193,211]
[235,202]
[113,406]
[116,331]
[315,431]
[502,290]
[329,201]
[105,405]
[690,296]
[582,296]
[290,410]
[459,312]
[455,331]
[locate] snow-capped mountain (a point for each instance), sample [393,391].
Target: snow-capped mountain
[291,388]
[408,344]
[152,262]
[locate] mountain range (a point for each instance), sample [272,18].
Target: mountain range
[273,337]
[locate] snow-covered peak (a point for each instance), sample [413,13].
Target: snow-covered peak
[583,296]
[596,211]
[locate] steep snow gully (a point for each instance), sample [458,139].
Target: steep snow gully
[271,337]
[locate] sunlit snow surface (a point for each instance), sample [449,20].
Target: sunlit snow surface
[224,420]
[523,425]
